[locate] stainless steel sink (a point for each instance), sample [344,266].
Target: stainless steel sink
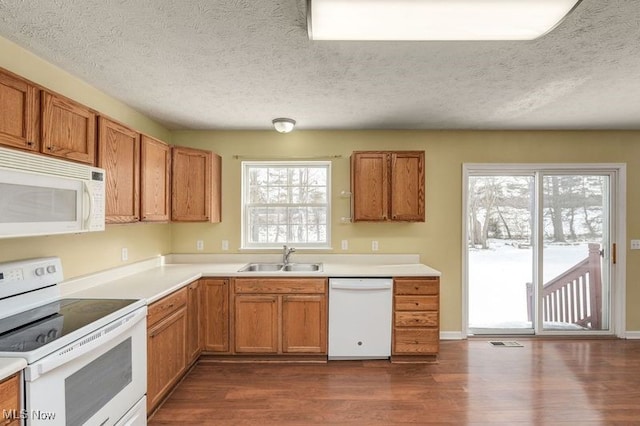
[280,267]
[302,267]
[261,267]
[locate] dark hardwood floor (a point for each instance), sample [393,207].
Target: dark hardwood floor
[545,382]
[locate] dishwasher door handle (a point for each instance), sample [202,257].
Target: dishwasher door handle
[372,286]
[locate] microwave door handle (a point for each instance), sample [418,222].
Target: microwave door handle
[87,199]
[55,360]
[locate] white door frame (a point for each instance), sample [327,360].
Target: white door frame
[618,231]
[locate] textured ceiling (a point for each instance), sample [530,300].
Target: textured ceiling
[236,64]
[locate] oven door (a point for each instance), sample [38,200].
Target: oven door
[94,381]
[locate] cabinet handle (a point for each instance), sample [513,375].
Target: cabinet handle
[29,143]
[171,305]
[50,148]
[417,288]
[417,303]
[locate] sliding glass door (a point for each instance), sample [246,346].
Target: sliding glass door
[538,250]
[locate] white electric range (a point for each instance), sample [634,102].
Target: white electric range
[86,358]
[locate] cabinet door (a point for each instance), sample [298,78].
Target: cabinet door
[20,113]
[68,129]
[194,317]
[369,186]
[119,155]
[304,324]
[166,356]
[215,308]
[256,324]
[191,185]
[10,400]
[407,186]
[155,164]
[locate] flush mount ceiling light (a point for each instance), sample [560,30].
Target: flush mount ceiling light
[435,19]
[283,125]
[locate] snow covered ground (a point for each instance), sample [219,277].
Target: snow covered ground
[498,277]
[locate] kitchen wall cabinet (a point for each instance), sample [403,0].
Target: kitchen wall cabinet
[20,117]
[155,184]
[166,345]
[68,129]
[215,313]
[194,319]
[416,319]
[119,155]
[388,186]
[195,188]
[10,400]
[280,316]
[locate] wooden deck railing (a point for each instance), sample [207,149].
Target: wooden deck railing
[575,296]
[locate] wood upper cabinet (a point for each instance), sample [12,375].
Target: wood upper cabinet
[416,314]
[280,316]
[119,155]
[215,313]
[68,129]
[155,163]
[195,188]
[166,345]
[194,318]
[388,186]
[10,400]
[19,113]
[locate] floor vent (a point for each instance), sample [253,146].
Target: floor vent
[506,344]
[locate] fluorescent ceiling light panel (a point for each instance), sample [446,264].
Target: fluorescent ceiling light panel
[435,19]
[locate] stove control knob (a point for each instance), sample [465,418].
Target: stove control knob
[41,338]
[40,271]
[52,334]
[51,269]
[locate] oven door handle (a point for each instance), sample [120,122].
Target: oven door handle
[85,345]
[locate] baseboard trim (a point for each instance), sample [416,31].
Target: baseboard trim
[632,335]
[452,335]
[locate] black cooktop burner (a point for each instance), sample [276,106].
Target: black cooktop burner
[36,327]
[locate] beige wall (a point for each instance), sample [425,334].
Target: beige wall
[438,240]
[82,254]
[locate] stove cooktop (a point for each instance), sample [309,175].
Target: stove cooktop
[35,328]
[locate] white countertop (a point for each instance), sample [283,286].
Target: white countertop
[155,278]
[152,281]
[10,366]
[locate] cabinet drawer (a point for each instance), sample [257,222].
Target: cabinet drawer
[9,394]
[165,306]
[280,285]
[416,303]
[417,286]
[416,319]
[416,340]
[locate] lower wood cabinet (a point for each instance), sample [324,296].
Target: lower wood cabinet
[194,318]
[280,316]
[10,400]
[166,345]
[215,314]
[416,313]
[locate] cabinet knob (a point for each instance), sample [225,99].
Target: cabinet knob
[29,143]
[417,303]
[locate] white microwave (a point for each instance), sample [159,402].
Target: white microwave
[40,195]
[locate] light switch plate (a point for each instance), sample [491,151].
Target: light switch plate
[199,245]
[124,254]
[374,245]
[635,244]
[225,245]
[344,244]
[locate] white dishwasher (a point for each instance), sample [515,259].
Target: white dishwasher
[360,318]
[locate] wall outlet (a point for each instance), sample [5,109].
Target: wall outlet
[635,244]
[225,245]
[344,244]
[374,245]
[199,245]
[124,254]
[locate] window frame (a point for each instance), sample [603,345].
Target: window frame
[246,166]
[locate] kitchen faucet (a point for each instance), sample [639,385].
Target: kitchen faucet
[286,252]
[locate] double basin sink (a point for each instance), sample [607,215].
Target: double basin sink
[281,267]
